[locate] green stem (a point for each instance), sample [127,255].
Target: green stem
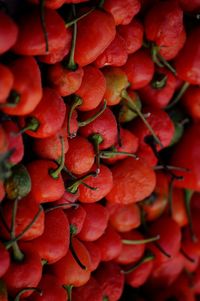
[140,241]
[17,298]
[178,96]
[68,288]
[111,154]
[43,23]
[133,107]
[154,55]
[77,102]
[74,187]
[32,124]
[18,255]
[71,63]
[170,167]
[95,116]
[159,84]
[166,64]
[55,173]
[64,205]
[97,139]
[74,21]
[187,199]
[148,257]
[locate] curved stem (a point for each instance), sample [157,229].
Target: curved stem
[187,199]
[64,205]
[17,298]
[44,29]
[154,55]
[97,139]
[18,255]
[133,107]
[178,96]
[140,241]
[32,124]
[74,187]
[55,173]
[95,116]
[71,63]
[186,255]
[161,249]
[148,257]
[82,266]
[166,64]
[170,167]
[159,84]
[70,23]
[68,288]
[77,102]
[110,154]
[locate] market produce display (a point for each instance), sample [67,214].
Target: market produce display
[100,150]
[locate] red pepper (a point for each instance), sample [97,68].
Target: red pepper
[8,32]
[6,82]
[89,292]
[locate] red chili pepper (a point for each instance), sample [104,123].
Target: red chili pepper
[192,107]
[26,91]
[114,55]
[102,31]
[89,292]
[123,12]
[95,254]
[95,222]
[139,69]
[179,213]
[133,180]
[132,34]
[8,32]
[124,217]
[6,82]
[76,217]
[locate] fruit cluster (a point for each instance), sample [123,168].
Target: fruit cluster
[100,150]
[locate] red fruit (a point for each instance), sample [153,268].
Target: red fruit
[187,62]
[26,91]
[122,11]
[124,217]
[102,32]
[191,101]
[53,244]
[76,217]
[105,125]
[95,254]
[92,88]
[51,290]
[111,280]
[8,32]
[110,244]
[31,39]
[132,35]
[95,222]
[4,259]
[190,6]
[102,183]
[72,273]
[133,180]
[48,116]
[114,55]
[6,82]
[89,292]
[164,23]
[179,213]
[139,69]
[26,211]
[45,188]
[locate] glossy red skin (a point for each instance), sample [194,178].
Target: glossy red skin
[116,82]
[24,274]
[140,275]
[132,34]
[80,156]
[95,254]
[164,23]
[76,217]
[8,32]
[187,62]
[4,259]
[190,251]
[103,182]
[63,80]
[159,98]
[44,187]
[179,213]
[114,55]
[6,82]
[155,209]
[188,157]
[27,83]
[139,69]
[72,273]
[190,6]
[133,180]
[105,125]
[110,244]
[191,102]
[68,198]
[131,253]
[123,12]
[161,124]
[2,191]
[89,292]
[129,144]
[50,113]
[170,52]
[26,210]
[165,273]
[92,88]
[111,280]
[53,244]
[146,154]
[14,142]
[31,37]
[124,217]
[51,147]
[3,141]
[51,290]
[102,32]
[170,238]
[95,222]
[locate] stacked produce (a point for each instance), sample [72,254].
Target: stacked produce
[100,150]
